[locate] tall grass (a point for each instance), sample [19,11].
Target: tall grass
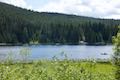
[57,70]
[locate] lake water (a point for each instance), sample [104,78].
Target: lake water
[49,51]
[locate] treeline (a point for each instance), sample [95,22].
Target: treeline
[19,25]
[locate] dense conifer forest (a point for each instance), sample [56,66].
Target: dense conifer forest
[19,25]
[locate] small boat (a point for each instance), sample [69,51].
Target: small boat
[104,54]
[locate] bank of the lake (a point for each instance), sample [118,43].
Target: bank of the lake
[57,62]
[57,70]
[36,43]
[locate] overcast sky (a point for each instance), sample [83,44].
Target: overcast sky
[92,8]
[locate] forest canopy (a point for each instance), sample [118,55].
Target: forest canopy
[19,25]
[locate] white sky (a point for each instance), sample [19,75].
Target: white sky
[92,8]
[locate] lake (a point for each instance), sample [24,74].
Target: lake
[60,51]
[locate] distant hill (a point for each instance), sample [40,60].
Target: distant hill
[19,25]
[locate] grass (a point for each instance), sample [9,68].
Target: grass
[57,70]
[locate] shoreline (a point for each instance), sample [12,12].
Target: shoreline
[57,44]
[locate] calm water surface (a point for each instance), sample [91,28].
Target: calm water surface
[49,51]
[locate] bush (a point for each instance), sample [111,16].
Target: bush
[116,57]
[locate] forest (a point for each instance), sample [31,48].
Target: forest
[23,26]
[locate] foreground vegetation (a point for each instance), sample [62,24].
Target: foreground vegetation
[116,57]
[57,70]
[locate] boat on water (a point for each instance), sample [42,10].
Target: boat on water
[104,53]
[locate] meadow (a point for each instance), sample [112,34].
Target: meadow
[57,70]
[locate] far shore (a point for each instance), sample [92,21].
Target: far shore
[27,44]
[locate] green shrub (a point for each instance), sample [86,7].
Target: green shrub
[116,57]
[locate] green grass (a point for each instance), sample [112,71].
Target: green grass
[57,70]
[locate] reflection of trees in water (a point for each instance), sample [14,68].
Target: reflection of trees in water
[2,56]
[25,54]
[22,55]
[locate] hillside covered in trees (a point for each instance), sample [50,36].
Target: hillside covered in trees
[19,25]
